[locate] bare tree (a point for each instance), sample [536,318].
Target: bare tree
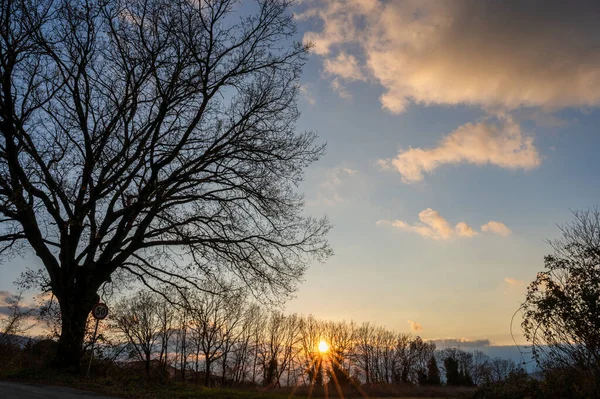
[154,138]
[243,349]
[167,318]
[500,369]
[139,320]
[278,349]
[481,368]
[363,355]
[311,331]
[213,321]
[340,337]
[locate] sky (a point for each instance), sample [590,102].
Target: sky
[459,134]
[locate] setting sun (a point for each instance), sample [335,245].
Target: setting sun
[323,347]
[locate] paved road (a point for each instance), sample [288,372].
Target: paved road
[9,390]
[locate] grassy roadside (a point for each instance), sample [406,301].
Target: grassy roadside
[132,386]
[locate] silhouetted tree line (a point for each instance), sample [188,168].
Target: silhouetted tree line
[226,339]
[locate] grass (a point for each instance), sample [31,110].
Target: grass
[134,386]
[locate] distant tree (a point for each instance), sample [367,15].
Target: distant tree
[433,372]
[481,372]
[138,319]
[213,321]
[310,335]
[153,139]
[453,376]
[461,364]
[465,377]
[340,336]
[363,355]
[404,366]
[167,319]
[561,312]
[500,369]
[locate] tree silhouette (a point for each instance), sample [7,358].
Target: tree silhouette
[453,376]
[433,372]
[153,139]
[561,312]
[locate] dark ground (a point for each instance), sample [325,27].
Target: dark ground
[10,390]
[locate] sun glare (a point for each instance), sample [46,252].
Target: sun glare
[323,347]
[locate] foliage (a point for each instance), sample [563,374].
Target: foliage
[517,385]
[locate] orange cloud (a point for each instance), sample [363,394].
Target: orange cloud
[464,230]
[432,226]
[414,326]
[481,143]
[345,66]
[460,52]
[496,227]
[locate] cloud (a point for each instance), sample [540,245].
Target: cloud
[340,89]
[432,226]
[7,299]
[461,52]
[464,230]
[330,189]
[496,227]
[307,94]
[345,66]
[414,326]
[514,282]
[460,343]
[481,143]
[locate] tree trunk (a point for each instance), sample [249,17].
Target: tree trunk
[148,354]
[224,369]
[207,372]
[74,313]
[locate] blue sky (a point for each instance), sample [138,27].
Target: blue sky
[453,285]
[463,112]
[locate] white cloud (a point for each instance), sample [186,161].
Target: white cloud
[432,226]
[496,227]
[414,326]
[461,52]
[481,143]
